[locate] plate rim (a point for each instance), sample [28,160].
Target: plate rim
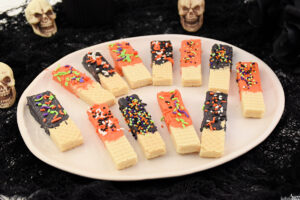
[217,162]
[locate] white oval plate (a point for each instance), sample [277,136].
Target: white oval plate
[92,160]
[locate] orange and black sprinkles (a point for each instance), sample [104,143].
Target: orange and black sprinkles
[162,52]
[221,56]
[215,107]
[95,63]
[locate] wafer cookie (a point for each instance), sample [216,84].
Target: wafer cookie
[162,62]
[251,95]
[52,117]
[213,126]
[190,63]
[142,126]
[179,122]
[104,73]
[220,68]
[129,64]
[111,134]
[82,86]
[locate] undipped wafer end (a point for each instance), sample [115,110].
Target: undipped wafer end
[219,80]
[252,104]
[137,75]
[185,139]
[152,144]
[162,74]
[66,136]
[121,152]
[212,143]
[191,76]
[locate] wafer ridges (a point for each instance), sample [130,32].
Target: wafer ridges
[162,62]
[49,113]
[220,66]
[129,64]
[190,62]
[142,126]
[178,121]
[104,73]
[110,132]
[82,86]
[250,90]
[213,125]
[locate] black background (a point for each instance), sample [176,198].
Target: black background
[269,171]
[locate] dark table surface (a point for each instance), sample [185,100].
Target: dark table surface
[269,171]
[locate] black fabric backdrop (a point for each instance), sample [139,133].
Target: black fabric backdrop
[269,171]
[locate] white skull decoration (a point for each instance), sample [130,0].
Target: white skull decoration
[7,86]
[41,17]
[191,14]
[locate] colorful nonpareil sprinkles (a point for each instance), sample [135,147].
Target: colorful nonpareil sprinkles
[173,109]
[47,110]
[162,52]
[137,118]
[190,53]
[95,63]
[215,107]
[221,56]
[248,76]
[107,126]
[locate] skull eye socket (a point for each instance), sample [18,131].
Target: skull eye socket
[38,15]
[49,12]
[6,79]
[185,9]
[196,8]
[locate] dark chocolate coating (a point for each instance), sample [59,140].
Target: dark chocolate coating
[124,103]
[34,109]
[210,104]
[216,63]
[95,69]
[168,52]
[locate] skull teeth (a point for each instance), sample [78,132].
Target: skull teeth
[3,94]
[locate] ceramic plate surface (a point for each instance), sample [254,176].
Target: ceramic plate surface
[92,160]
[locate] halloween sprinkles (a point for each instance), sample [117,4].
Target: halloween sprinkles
[95,63]
[221,56]
[136,116]
[162,52]
[68,76]
[106,125]
[123,55]
[190,53]
[215,107]
[249,83]
[174,111]
[47,110]
[248,77]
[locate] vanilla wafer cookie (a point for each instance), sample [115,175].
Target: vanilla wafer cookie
[111,134]
[52,117]
[162,62]
[82,86]
[190,63]
[104,73]
[129,64]
[251,95]
[179,122]
[142,126]
[213,126]
[220,68]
